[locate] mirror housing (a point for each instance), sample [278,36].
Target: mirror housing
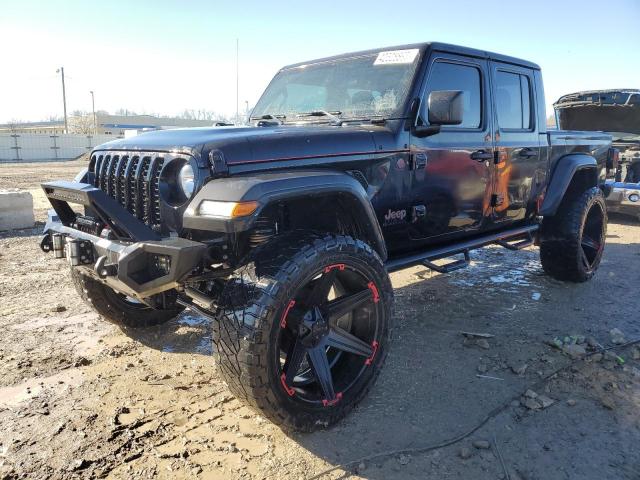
[445,107]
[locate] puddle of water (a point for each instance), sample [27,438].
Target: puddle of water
[192,320]
[502,271]
[193,335]
[12,396]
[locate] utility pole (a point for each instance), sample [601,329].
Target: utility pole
[64,99]
[93,109]
[237,80]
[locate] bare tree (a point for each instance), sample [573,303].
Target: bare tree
[124,112]
[202,114]
[13,125]
[81,124]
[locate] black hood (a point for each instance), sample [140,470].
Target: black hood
[613,111]
[254,144]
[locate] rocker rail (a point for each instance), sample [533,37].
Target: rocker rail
[501,238]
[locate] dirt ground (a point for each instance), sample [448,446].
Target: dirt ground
[80,398]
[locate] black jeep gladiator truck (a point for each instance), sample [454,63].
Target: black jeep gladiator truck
[284,232]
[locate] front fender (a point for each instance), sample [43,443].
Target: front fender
[564,172]
[267,188]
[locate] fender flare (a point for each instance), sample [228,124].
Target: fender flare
[563,173]
[267,188]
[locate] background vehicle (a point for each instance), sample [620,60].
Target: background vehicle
[616,112]
[283,233]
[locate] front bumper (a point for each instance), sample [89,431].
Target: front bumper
[624,198]
[137,262]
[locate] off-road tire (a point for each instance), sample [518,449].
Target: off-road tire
[115,308]
[252,304]
[561,251]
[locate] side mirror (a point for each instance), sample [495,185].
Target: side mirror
[445,107]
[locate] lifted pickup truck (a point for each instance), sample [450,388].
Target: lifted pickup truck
[284,233]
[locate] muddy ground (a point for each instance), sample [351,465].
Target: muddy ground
[80,398]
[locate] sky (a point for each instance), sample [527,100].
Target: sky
[163,57]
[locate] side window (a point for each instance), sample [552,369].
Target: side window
[452,76]
[513,100]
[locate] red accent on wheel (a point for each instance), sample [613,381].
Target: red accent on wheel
[283,320]
[339,266]
[331,403]
[374,291]
[290,391]
[369,360]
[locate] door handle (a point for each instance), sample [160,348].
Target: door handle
[527,152]
[481,155]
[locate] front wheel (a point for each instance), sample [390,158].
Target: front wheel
[573,240]
[303,328]
[117,308]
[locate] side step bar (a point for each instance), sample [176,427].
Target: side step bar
[449,267]
[518,245]
[427,256]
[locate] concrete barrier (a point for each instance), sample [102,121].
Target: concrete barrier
[16,210]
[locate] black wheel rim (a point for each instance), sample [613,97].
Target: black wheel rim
[592,241]
[325,344]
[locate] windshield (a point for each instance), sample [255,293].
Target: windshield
[364,86]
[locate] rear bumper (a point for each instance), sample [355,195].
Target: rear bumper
[139,263]
[624,198]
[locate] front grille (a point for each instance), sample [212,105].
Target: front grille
[133,180]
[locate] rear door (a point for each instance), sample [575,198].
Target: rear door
[518,165]
[452,170]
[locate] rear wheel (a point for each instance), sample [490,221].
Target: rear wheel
[303,328]
[118,308]
[573,240]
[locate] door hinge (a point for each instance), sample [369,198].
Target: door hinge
[496,157]
[497,200]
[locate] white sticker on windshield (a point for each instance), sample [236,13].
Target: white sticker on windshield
[394,57]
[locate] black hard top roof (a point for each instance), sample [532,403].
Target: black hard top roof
[433,46]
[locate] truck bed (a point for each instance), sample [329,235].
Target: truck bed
[564,142]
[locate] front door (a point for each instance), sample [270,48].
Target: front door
[519,166]
[452,170]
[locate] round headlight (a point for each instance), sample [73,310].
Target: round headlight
[186,179]
[634,197]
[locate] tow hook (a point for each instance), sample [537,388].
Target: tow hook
[104,271]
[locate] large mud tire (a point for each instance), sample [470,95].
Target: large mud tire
[572,241]
[261,333]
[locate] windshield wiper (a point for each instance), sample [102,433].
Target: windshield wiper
[321,113]
[377,120]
